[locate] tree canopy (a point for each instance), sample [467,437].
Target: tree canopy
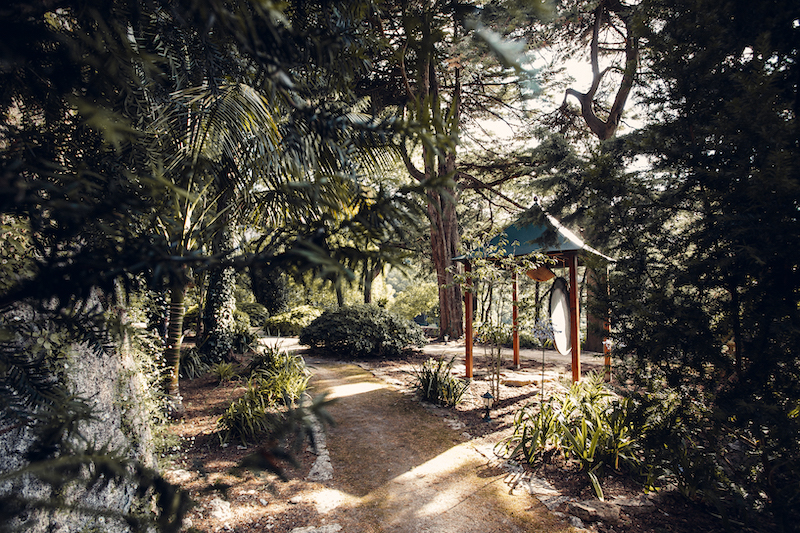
[138,136]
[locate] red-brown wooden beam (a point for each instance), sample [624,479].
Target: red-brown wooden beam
[515,319]
[468,318]
[574,314]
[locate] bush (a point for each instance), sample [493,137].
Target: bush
[588,424]
[224,372]
[252,415]
[193,363]
[190,318]
[290,323]
[243,336]
[283,372]
[362,331]
[436,383]
[256,312]
[277,381]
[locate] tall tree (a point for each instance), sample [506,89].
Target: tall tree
[432,71]
[705,296]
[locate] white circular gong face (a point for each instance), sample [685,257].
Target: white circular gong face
[559,315]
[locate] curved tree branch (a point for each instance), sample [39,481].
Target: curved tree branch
[415,173]
[605,129]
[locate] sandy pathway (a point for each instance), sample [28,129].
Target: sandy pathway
[398,467]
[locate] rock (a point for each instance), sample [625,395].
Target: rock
[574,521]
[330,528]
[552,501]
[541,487]
[109,380]
[322,469]
[637,506]
[594,511]
[220,510]
[178,475]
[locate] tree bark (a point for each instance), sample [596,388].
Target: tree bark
[443,120]
[605,129]
[445,241]
[172,353]
[220,297]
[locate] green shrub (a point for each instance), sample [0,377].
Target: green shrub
[587,423]
[243,336]
[362,331]
[251,416]
[224,372]
[193,363]
[256,312]
[290,323]
[190,317]
[436,383]
[282,372]
[277,381]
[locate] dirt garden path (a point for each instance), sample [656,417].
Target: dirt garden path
[394,464]
[398,466]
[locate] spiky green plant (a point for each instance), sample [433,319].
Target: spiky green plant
[224,372]
[277,381]
[436,383]
[587,423]
[192,364]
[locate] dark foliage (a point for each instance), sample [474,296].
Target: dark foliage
[704,297]
[362,331]
[92,188]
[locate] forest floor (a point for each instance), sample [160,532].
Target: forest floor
[396,464]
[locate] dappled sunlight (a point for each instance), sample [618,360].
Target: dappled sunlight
[326,500]
[343,391]
[398,467]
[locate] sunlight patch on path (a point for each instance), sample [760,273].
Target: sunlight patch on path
[438,494]
[326,500]
[343,391]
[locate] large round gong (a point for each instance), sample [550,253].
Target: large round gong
[559,315]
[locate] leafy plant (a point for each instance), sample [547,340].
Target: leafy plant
[362,331]
[224,372]
[253,414]
[193,363]
[587,423]
[285,374]
[493,337]
[256,313]
[277,381]
[436,383]
[243,336]
[417,299]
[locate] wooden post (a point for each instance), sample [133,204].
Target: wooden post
[607,339]
[468,319]
[515,319]
[575,319]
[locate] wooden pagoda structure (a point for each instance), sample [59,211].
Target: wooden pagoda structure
[536,231]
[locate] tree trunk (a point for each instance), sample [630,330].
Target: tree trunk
[445,242]
[369,277]
[441,117]
[172,353]
[220,302]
